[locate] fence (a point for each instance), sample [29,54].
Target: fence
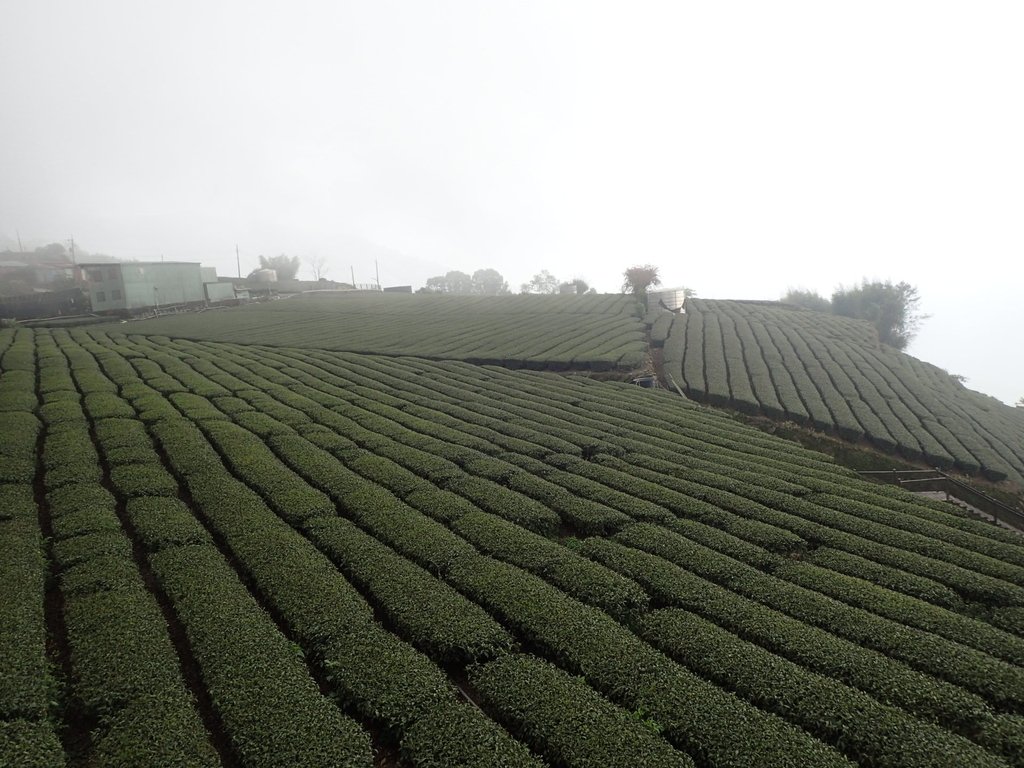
[937,480]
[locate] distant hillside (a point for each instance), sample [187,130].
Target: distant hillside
[600,332]
[833,374]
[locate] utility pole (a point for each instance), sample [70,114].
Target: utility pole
[377,269]
[238,262]
[353,276]
[73,250]
[21,248]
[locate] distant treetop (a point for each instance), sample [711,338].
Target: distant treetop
[542,282]
[807,299]
[892,309]
[638,279]
[484,282]
[287,267]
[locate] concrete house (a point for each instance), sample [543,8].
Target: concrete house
[142,284]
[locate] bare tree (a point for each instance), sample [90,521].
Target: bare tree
[318,266]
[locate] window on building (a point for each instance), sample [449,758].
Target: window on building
[111,274]
[95,275]
[101,296]
[115,295]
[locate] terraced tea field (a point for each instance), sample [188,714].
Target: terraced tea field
[220,554]
[599,333]
[830,372]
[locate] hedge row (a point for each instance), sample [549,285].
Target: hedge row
[566,720]
[716,508]
[858,536]
[26,687]
[125,669]
[888,577]
[842,382]
[291,497]
[481,333]
[936,541]
[814,648]
[25,684]
[271,708]
[372,671]
[950,565]
[353,493]
[870,733]
[898,499]
[904,610]
[18,448]
[586,641]
[30,744]
[438,620]
[995,680]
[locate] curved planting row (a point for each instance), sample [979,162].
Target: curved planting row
[458,556]
[302,409]
[29,734]
[350,489]
[371,671]
[968,582]
[832,373]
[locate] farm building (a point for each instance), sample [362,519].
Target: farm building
[142,284]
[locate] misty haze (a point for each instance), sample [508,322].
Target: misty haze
[513,384]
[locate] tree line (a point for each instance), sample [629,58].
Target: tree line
[489,282]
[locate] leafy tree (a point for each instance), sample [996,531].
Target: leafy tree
[285,266]
[433,285]
[807,300]
[458,282]
[450,282]
[542,282]
[489,282]
[892,309]
[1020,403]
[638,279]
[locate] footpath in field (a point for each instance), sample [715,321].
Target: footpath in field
[257,555]
[598,333]
[832,373]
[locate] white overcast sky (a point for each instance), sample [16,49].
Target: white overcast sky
[742,147]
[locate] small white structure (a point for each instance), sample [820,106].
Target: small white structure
[672,298]
[264,276]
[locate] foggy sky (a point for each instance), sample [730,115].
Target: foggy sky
[744,148]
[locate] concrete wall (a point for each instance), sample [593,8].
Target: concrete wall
[219,291]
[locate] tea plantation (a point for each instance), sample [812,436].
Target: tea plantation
[260,555]
[832,373]
[600,333]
